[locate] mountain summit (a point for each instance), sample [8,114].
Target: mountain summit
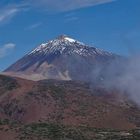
[67,45]
[62,58]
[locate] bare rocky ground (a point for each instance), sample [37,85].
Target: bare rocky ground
[65,110]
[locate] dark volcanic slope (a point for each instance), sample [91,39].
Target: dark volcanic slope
[53,110]
[62,58]
[69,103]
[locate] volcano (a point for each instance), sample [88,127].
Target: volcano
[63,58]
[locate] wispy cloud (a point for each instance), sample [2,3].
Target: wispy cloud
[71,17]
[6,49]
[67,5]
[33,26]
[7,14]
[9,11]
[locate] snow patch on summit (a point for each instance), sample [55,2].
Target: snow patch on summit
[69,39]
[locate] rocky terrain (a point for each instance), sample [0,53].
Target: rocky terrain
[54,110]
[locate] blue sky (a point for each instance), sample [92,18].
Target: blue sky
[112,25]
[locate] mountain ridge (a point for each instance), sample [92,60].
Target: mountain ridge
[63,41]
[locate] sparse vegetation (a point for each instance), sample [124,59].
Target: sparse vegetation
[57,92]
[64,111]
[53,131]
[8,83]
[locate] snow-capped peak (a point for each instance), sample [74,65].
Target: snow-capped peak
[67,45]
[70,39]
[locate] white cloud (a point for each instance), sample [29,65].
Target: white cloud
[6,49]
[67,5]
